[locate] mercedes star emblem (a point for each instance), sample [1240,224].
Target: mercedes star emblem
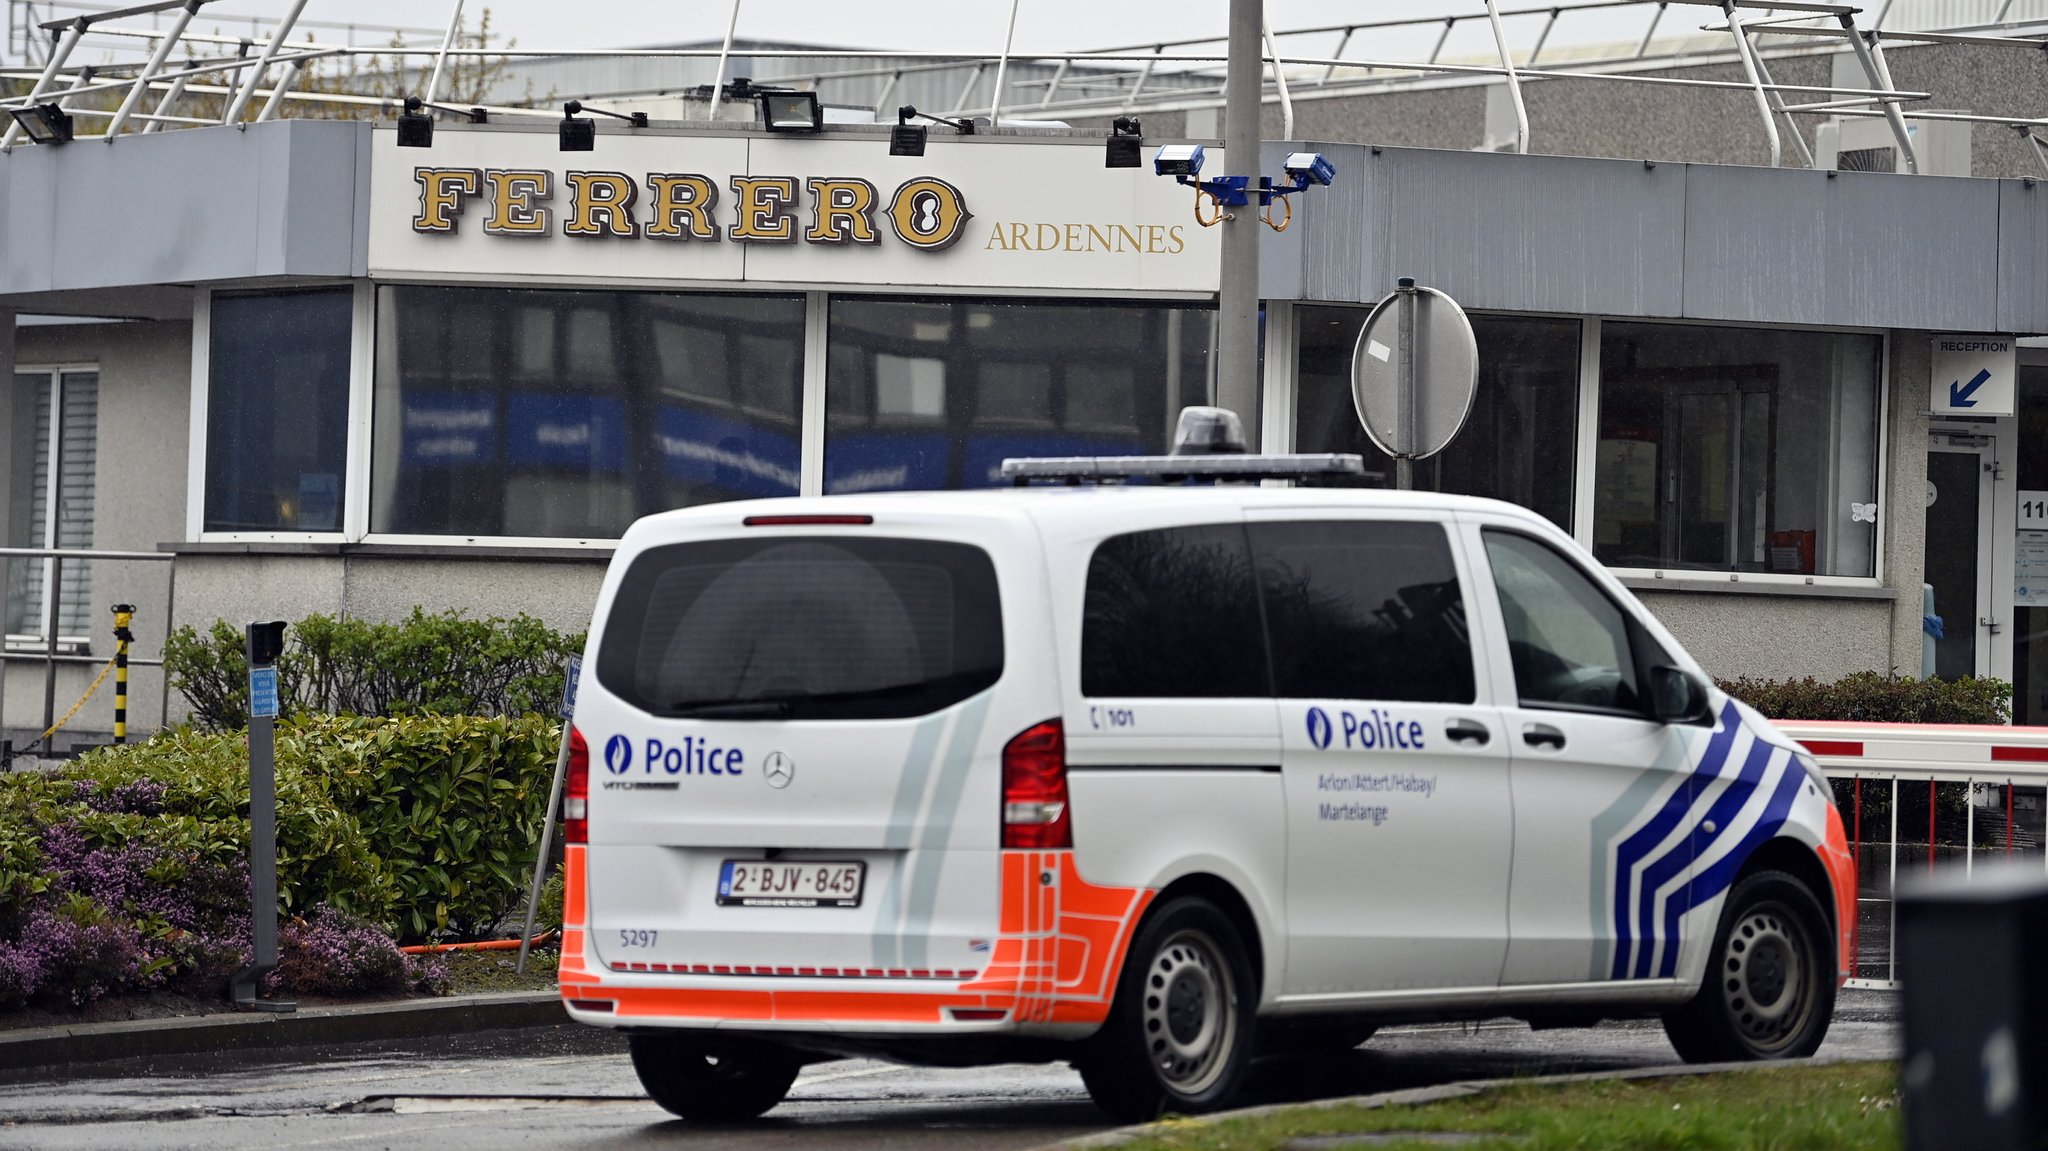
[778,769]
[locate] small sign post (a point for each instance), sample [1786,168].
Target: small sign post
[1414,374]
[574,672]
[263,643]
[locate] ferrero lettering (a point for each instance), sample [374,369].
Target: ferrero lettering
[924,212]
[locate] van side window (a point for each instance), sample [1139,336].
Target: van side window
[1364,610]
[1173,613]
[1568,642]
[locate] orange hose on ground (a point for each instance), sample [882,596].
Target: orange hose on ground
[482,945]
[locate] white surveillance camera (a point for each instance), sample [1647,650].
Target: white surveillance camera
[1309,167]
[1178,160]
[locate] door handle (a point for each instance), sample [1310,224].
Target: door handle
[1467,731]
[1538,734]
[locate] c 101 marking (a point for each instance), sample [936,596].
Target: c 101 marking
[1101,717]
[637,937]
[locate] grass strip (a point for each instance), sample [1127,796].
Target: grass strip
[1835,1107]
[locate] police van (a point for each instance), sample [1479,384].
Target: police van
[1155,776]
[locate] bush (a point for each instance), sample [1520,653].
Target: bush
[1867,697]
[440,664]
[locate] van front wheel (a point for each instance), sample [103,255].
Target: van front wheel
[1180,1032]
[1769,990]
[703,1085]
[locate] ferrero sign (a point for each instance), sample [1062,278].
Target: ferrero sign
[727,210]
[924,212]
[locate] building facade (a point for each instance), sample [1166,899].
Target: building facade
[321,372]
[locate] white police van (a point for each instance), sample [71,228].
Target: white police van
[1146,776]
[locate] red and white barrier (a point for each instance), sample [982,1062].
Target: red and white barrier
[1947,752]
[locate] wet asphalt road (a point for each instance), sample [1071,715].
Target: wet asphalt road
[572,1087]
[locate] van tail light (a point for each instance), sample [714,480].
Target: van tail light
[1035,812]
[576,791]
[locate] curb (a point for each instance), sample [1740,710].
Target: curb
[45,1047]
[1120,1136]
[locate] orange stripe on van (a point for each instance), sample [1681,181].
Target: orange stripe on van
[573,969]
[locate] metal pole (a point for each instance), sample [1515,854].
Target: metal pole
[1404,383]
[2040,152]
[1237,310]
[1145,74]
[1748,52]
[1891,892]
[1342,44]
[1778,102]
[724,52]
[1507,61]
[170,100]
[256,74]
[279,90]
[1870,54]
[42,84]
[1280,82]
[1449,23]
[1543,36]
[155,65]
[1052,89]
[262,644]
[540,859]
[447,42]
[1650,33]
[995,98]
[124,614]
[53,583]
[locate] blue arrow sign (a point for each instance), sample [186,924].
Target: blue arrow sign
[1959,393]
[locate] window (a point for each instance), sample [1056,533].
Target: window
[930,394]
[808,628]
[1173,613]
[1734,449]
[277,411]
[1517,444]
[514,412]
[1568,642]
[1359,610]
[73,397]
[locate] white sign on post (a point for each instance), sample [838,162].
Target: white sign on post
[1973,376]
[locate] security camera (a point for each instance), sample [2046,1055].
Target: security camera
[1178,160]
[1307,168]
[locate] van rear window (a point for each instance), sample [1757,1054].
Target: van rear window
[804,628]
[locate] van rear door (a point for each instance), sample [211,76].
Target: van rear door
[795,735]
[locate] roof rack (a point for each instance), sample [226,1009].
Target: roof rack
[1242,468]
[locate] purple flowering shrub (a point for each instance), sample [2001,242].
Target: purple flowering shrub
[334,953]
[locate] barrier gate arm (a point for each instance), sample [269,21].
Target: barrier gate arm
[1951,753]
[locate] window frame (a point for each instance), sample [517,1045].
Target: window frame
[37,641]
[355,448]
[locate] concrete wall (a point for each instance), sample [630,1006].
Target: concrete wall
[1776,637]
[145,371]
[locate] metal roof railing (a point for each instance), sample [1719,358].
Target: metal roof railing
[1121,80]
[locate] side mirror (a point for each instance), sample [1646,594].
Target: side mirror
[1678,696]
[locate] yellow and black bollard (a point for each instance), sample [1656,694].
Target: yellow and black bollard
[124,614]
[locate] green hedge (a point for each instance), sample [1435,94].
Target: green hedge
[1867,697]
[440,664]
[424,825]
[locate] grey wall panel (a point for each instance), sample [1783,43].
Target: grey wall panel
[2022,256]
[1520,233]
[190,206]
[1865,249]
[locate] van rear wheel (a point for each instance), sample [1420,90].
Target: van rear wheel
[703,1084]
[1180,1032]
[1769,991]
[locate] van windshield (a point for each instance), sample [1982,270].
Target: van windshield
[803,628]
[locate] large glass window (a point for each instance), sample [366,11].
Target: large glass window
[1737,449]
[1516,446]
[925,394]
[56,416]
[1173,614]
[516,412]
[1362,610]
[277,411]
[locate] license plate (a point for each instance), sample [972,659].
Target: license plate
[758,883]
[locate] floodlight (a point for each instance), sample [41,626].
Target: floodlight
[576,135]
[906,138]
[1306,168]
[415,127]
[1125,145]
[791,112]
[44,123]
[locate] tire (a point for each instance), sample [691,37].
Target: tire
[1769,991]
[1181,1030]
[693,1080]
